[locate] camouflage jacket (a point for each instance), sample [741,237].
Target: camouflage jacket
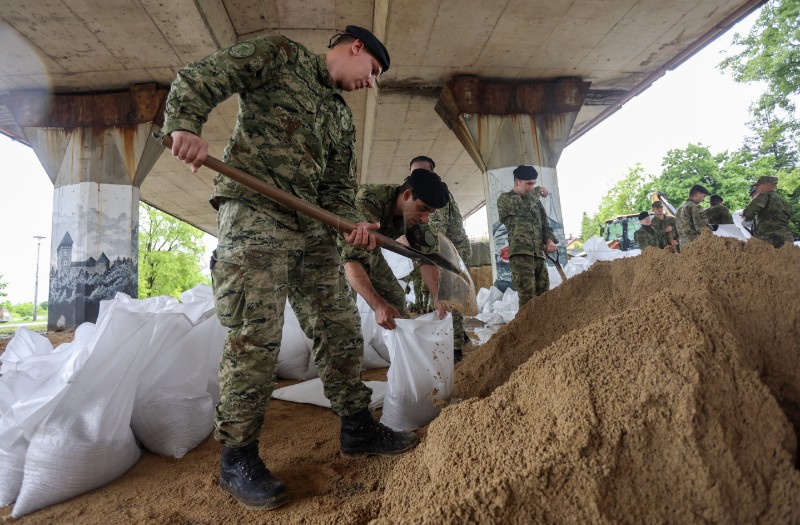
[691,221]
[527,224]
[718,214]
[771,213]
[660,226]
[647,236]
[376,203]
[293,128]
[448,222]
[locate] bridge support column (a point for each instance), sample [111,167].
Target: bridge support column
[97,151]
[505,124]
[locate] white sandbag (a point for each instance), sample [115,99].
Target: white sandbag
[294,359]
[172,411]
[730,230]
[376,354]
[311,392]
[576,265]
[401,266]
[482,298]
[33,377]
[554,276]
[87,441]
[745,227]
[421,372]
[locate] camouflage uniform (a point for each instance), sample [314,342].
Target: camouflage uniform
[691,221]
[448,222]
[377,202]
[293,130]
[660,226]
[421,292]
[771,212]
[718,214]
[528,230]
[647,236]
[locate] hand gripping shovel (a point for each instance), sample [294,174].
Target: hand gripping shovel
[557,264]
[455,285]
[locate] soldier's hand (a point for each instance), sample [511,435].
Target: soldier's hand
[543,192]
[550,246]
[385,314]
[189,148]
[441,309]
[363,236]
[668,229]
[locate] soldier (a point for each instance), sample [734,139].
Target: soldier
[646,235]
[690,218]
[401,210]
[293,130]
[717,213]
[664,225]
[448,222]
[770,212]
[529,235]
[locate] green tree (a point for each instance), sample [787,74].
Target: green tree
[169,254]
[589,225]
[628,195]
[771,54]
[2,287]
[22,311]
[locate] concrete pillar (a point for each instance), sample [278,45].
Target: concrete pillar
[505,124]
[97,151]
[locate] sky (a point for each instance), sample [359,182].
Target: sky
[696,103]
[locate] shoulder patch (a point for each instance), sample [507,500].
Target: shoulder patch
[242,50]
[430,238]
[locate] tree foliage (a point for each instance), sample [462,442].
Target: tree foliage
[169,254]
[2,287]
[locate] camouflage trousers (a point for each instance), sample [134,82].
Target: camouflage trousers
[257,265]
[529,277]
[777,239]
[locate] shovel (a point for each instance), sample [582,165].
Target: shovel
[455,284]
[556,262]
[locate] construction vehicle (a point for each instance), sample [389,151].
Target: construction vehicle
[618,232]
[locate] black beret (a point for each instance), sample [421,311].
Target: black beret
[697,188]
[429,188]
[643,215]
[525,173]
[372,43]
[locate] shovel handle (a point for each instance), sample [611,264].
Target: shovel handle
[340,224]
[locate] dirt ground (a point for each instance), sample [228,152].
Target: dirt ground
[661,388]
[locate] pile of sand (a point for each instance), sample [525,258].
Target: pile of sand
[655,389]
[658,388]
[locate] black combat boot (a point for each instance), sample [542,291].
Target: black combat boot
[244,475]
[363,436]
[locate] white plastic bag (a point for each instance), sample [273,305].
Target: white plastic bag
[87,441]
[294,359]
[421,373]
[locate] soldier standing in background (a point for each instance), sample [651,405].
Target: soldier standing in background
[770,213]
[718,213]
[665,225]
[690,218]
[646,235]
[293,130]
[529,235]
[447,221]
[401,210]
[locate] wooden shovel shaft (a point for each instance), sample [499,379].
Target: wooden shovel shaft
[341,225]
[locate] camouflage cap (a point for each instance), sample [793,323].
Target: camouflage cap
[656,205]
[766,179]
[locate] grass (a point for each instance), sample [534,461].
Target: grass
[11,328]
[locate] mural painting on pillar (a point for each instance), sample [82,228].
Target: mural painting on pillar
[94,252]
[502,180]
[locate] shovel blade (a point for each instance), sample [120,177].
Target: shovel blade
[456,290]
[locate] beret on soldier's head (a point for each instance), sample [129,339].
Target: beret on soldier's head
[525,173]
[372,43]
[643,215]
[429,188]
[767,179]
[657,204]
[697,188]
